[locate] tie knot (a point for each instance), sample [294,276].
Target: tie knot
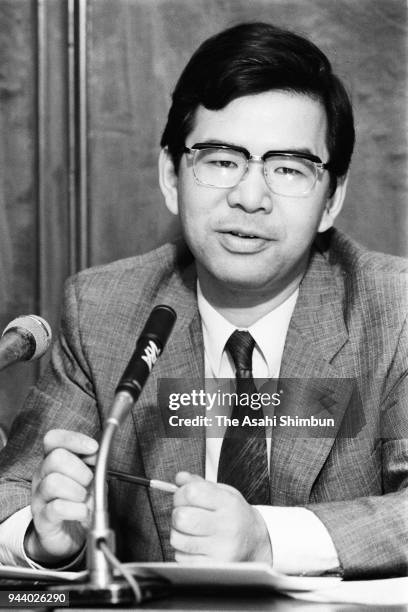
[240,346]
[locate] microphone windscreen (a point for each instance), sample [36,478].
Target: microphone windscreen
[37,327]
[149,346]
[159,325]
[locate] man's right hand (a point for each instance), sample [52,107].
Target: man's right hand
[61,498]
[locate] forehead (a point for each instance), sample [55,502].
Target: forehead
[271,120]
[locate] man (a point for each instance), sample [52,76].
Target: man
[254,162]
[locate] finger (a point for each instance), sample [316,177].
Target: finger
[202,494]
[193,521]
[58,486]
[64,462]
[191,545]
[193,559]
[90,459]
[73,441]
[90,502]
[60,510]
[183,478]
[35,479]
[90,508]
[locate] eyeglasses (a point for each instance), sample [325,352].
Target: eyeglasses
[286,173]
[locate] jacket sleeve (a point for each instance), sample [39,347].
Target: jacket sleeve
[63,399]
[371,533]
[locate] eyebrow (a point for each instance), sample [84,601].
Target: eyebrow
[300,150]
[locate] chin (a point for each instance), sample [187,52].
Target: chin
[244,279]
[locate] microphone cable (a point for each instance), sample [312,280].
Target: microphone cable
[116,564]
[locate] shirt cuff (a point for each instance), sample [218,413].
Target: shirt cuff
[301,544]
[12,533]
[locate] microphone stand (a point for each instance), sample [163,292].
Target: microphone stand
[102,587]
[100,573]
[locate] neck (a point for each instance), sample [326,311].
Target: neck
[242,308]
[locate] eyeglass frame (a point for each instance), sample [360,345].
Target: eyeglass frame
[318,164]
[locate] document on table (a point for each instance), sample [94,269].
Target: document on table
[390,591]
[386,592]
[247,575]
[11,572]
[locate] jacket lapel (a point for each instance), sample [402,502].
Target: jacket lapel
[183,359]
[311,384]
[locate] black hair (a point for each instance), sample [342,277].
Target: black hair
[253,58]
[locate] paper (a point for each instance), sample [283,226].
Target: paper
[231,575]
[390,591]
[11,572]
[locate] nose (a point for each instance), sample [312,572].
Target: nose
[252,194]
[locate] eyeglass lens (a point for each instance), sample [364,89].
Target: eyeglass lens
[226,167]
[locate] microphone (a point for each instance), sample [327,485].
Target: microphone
[25,338]
[149,346]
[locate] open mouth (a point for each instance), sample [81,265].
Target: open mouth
[238,241]
[243,235]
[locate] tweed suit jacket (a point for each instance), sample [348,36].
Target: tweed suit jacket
[349,324]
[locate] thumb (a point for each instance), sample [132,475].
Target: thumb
[183,478]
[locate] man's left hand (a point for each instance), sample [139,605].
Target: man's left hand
[213,522]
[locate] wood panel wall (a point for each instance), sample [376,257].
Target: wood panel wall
[84,91]
[34,215]
[18,214]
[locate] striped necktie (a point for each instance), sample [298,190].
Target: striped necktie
[243,460]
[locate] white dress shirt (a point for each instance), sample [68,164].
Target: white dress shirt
[12,532]
[300,542]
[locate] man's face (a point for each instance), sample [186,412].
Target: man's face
[246,238]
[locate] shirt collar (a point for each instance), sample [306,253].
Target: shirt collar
[269,332]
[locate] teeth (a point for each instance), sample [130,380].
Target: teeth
[243,235]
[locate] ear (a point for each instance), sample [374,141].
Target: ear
[334,205]
[168,181]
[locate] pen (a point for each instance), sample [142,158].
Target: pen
[150,483]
